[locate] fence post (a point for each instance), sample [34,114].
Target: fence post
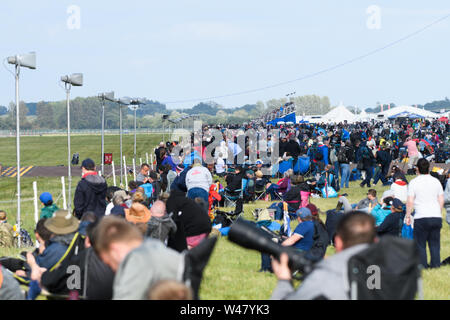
[151,160]
[36,209]
[63,183]
[114,173]
[146,157]
[125,173]
[134,170]
[140,162]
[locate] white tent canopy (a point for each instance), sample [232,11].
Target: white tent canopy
[364,116]
[405,110]
[339,114]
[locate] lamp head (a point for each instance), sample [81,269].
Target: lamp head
[24,60]
[124,101]
[107,96]
[76,79]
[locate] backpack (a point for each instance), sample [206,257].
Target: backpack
[70,269]
[321,240]
[342,155]
[25,239]
[386,270]
[6,235]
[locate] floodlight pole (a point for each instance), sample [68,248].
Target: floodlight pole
[103,136]
[135,108]
[120,133]
[18,150]
[69,169]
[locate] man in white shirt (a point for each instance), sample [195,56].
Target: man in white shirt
[426,197]
[198,181]
[220,165]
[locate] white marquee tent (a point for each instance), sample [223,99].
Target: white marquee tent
[405,111]
[339,114]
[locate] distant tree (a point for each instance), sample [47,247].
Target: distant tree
[44,115]
[3,110]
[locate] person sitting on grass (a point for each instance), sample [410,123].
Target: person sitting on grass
[301,238]
[6,231]
[355,232]
[381,211]
[49,207]
[160,225]
[392,224]
[368,203]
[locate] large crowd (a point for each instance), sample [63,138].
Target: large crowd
[153,238]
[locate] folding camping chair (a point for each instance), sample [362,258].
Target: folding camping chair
[280,194]
[285,165]
[231,196]
[260,190]
[303,166]
[227,218]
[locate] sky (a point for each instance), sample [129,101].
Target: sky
[182,52]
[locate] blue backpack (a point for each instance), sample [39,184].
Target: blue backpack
[148,189]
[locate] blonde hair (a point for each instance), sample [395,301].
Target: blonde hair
[138,197]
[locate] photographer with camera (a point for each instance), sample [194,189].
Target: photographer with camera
[355,232]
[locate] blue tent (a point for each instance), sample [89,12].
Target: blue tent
[290,117]
[406,114]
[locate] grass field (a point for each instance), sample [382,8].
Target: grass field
[52,150]
[232,273]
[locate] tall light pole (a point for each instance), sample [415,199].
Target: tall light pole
[135,103]
[28,61]
[76,79]
[110,97]
[121,102]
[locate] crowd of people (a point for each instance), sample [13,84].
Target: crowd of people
[153,238]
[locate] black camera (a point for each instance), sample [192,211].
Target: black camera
[248,235]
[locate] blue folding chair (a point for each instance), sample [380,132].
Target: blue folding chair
[303,165]
[285,166]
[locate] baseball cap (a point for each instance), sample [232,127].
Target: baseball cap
[45,197]
[303,213]
[397,204]
[88,164]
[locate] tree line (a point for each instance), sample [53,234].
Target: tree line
[86,112]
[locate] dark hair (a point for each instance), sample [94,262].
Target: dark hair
[110,192]
[88,216]
[132,185]
[42,231]
[356,227]
[388,200]
[372,192]
[423,165]
[145,165]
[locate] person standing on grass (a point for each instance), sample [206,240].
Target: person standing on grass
[90,193]
[49,207]
[426,197]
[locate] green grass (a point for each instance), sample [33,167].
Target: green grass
[232,272]
[51,150]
